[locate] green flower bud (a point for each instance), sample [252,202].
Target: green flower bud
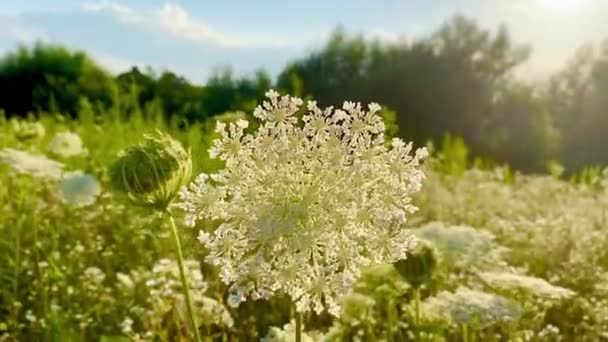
[153,172]
[419,264]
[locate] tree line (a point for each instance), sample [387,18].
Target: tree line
[459,80]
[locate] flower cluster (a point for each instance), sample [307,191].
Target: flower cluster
[165,294]
[519,282]
[302,206]
[66,144]
[463,247]
[468,306]
[288,334]
[78,189]
[30,164]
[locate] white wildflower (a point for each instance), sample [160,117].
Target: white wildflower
[125,280]
[78,188]
[165,293]
[302,208]
[31,164]
[288,334]
[94,274]
[532,285]
[30,317]
[66,144]
[467,306]
[126,326]
[463,246]
[212,312]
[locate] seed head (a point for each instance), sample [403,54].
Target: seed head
[419,265]
[153,172]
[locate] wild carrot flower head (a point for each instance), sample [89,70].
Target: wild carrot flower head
[531,285]
[303,205]
[78,188]
[66,144]
[152,172]
[34,165]
[468,306]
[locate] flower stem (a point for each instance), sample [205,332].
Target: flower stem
[417,311]
[298,327]
[465,333]
[389,316]
[182,274]
[417,306]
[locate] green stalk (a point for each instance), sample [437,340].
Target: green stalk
[389,321]
[417,311]
[182,274]
[298,327]
[417,306]
[465,333]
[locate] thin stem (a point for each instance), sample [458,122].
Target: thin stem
[182,274]
[417,306]
[389,315]
[298,327]
[465,333]
[417,311]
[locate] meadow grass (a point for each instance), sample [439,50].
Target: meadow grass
[518,257]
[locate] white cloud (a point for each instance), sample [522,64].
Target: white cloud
[125,14]
[175,20]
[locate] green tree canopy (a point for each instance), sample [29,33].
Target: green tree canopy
[47,76]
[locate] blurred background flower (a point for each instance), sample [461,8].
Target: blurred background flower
[66,144]
[78,189]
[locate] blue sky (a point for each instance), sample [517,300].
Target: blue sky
[195,38]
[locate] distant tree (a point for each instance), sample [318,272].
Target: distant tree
[334,74]
[223,93]
[34,79]
[447,83]
[142,83]
[179,97]
[520,130]
[576,98]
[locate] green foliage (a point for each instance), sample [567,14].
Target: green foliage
[443,84]
[453,157]
[418,265]
[48,77]
[88,273]
[457,81]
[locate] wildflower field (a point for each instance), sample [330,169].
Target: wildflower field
[289,223]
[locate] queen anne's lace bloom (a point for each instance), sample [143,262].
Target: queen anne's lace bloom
[532,285]
[66,144]
[31,164]
[79,189]
[468,306]
[288,334]
[302,206]
[165,294]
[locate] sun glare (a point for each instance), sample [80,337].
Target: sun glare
[562,5]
